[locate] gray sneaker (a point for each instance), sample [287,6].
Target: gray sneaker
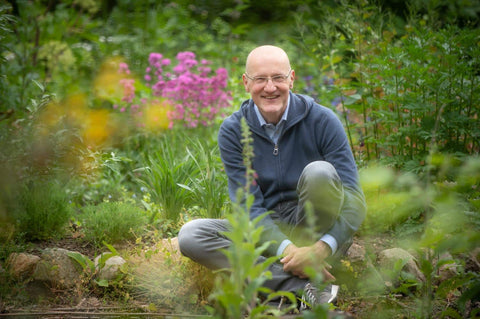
[312,296]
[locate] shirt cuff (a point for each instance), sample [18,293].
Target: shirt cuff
[330,241]
[282,246]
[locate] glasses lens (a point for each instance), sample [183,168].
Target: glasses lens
[260,80]
[278,79]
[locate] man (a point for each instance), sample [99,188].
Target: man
[301,155]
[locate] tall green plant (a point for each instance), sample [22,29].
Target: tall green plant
[393,84]
[208,184]
[164,174]
[426,80]
[238,289]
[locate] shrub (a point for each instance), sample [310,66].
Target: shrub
[112,222]
[40,210]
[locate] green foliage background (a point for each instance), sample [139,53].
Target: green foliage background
[402,75]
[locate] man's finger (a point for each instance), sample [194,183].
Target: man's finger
[327,276]
[286,259]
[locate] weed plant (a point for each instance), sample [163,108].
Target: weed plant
[112,222]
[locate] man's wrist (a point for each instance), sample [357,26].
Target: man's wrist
[322,249]
[331,242]
[283,245]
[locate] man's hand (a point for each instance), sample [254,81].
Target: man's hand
[298,258]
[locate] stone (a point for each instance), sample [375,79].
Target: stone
[447,270]
[389,257]
[57,269]
[356,253]
[112,267]
[21,265]
[473,260]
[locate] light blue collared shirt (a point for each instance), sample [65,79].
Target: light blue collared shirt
[274,132]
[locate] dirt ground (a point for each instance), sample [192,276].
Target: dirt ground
[169,285]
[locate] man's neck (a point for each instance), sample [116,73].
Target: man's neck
[273,119]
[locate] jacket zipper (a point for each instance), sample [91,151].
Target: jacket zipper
[275,150]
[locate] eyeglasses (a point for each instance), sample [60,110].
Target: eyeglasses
[263,80]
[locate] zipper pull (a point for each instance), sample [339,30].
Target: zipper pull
[275,150]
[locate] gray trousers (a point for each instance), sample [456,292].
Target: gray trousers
[201,239]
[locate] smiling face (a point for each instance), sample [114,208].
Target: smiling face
[271,97]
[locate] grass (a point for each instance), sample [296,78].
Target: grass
[40,210]
[162,277]
[112,222]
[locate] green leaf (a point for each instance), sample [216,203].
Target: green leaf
[40,86]
[101,282]
[83,261]
[352,99]
[111,248]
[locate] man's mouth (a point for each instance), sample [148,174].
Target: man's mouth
[270,97]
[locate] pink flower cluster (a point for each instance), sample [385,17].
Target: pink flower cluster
[197,93]
[197,96]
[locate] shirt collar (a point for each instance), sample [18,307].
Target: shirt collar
[262,120]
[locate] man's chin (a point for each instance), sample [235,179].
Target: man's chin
[272,108]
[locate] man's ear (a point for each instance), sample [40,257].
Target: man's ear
[245,83]
[292,78]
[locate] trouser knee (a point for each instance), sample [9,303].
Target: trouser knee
[321,185]
[185,237]
[202,241]
[322,173]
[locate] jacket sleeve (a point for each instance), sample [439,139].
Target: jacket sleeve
[229,142]
[336,150]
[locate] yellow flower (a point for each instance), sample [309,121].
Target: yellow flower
[156,116]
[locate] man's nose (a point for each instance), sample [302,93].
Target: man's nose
[270,86]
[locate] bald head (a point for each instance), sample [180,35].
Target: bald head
[264,54]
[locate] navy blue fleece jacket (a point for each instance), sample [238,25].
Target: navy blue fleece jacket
[312,132]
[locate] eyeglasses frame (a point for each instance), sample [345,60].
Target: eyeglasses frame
[268,77]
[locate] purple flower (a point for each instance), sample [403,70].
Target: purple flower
[181,56]
[154,58]
[197,93]
[123,68]
[189,63]
[336,101]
